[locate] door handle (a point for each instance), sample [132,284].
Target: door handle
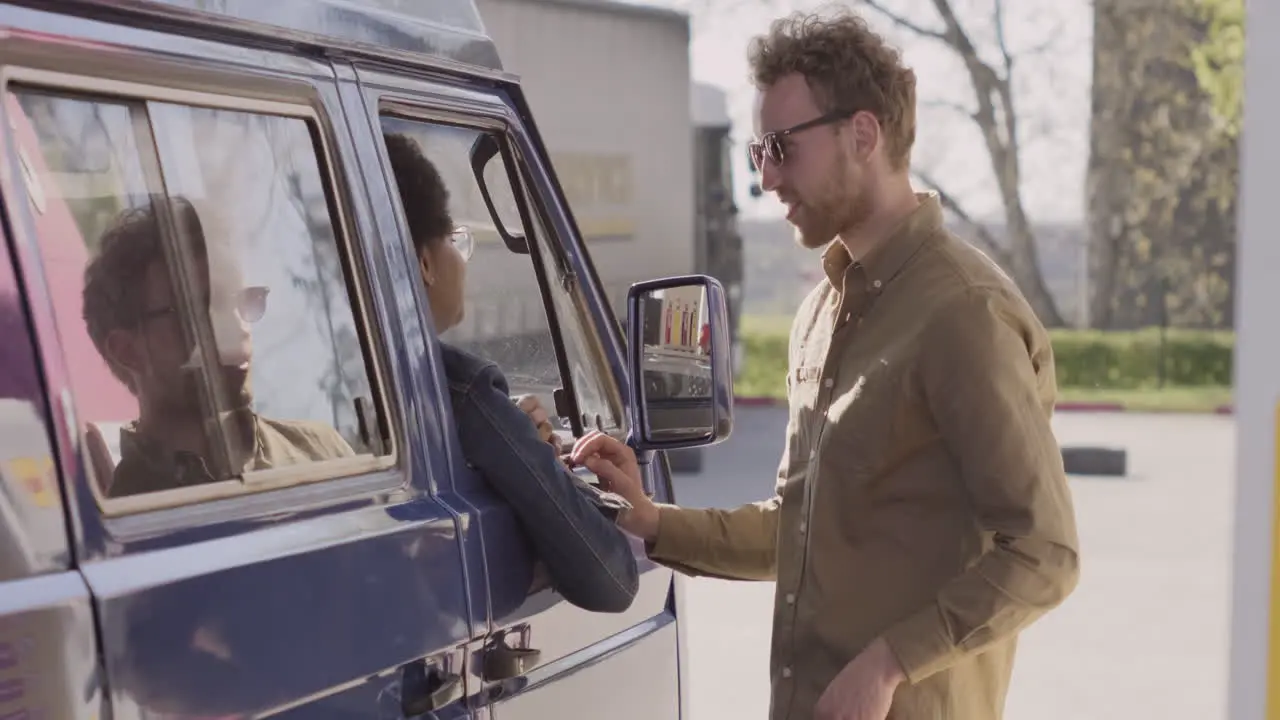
[503,662]
[424,690]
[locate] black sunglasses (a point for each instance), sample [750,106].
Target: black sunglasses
[251,305]
[770,146]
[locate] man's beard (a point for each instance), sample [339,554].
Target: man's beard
[842,206]
[812,237]
[189,399]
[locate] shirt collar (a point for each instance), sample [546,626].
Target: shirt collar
[887,258]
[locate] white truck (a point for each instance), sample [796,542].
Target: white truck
[609,85]
[642,152]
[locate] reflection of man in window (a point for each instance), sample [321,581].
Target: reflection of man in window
[136,320]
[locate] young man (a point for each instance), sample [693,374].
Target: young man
[133,316]
[922,516]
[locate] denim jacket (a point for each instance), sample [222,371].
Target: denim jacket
[571,524]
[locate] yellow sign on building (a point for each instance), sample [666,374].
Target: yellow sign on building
[600,190]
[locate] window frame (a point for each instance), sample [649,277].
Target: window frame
[409,108]
[609,339]
[295,105]
[574,296]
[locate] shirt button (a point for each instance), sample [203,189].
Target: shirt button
[791,598]
[875,284]
[803,526]
[786,672]
[813,453]
[829,382]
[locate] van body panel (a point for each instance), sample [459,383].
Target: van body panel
[354,596]
[48,642]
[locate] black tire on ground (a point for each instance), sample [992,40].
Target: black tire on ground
[1111,462]
[685,461]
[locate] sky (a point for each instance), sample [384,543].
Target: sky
[1050,42]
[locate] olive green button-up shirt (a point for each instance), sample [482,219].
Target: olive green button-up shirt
[145,468]
[921,496]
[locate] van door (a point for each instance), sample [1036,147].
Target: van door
[48,647]
[531,309]
[253,501]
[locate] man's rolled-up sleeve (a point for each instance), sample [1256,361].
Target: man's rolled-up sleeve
[979,377]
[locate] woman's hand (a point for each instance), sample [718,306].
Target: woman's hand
[532,406]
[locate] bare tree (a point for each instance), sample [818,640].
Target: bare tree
[996,116]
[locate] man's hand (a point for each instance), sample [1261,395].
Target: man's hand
[864,688]
[532,407]
[615,465]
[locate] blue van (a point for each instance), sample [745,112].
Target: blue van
[383,581]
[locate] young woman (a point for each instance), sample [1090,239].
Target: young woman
[572,525]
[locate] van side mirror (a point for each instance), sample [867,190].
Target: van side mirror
[680,362]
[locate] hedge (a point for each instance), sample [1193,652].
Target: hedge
[1131,360]
[764,366]
[1084,359]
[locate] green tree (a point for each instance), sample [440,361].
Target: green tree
[1219,60]
[1163,166]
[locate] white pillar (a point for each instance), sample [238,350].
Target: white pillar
[1255,652]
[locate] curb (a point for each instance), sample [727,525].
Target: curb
[1089,407]
[1094,407]
[758,402]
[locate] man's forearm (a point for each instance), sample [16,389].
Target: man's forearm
[738,544]
[990,395]
[1010,587]
[641,520]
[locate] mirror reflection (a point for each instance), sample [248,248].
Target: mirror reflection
[676,362]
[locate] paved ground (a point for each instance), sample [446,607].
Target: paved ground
[1144,636]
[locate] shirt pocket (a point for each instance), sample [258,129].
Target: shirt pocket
[861,420]
[802,384]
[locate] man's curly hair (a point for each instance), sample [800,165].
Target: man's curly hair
[115,286]
[847,66]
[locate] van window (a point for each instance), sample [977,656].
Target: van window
[598,399]
[505,318]
[201,294]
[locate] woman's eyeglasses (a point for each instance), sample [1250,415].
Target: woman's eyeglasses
[463,240]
